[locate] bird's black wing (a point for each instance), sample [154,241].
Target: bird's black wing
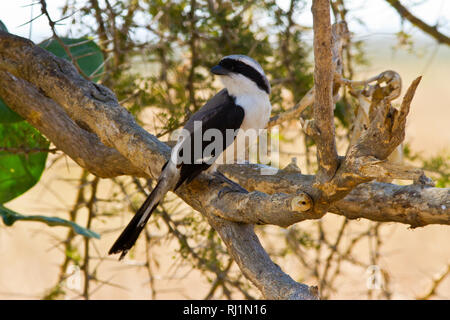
[221,113]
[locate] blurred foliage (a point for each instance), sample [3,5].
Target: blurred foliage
[438,166]
[405,40]
[341,112]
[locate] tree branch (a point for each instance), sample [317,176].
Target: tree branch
[49,118]
[295,111]
[327,157]
[340,35]
[430,30]
[416,205]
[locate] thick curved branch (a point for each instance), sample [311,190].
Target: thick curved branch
[248,253]
[82,146]
[91,106]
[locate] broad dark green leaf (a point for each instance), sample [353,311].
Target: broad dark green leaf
[6,114]
[87,53]
[20,165]
[9,217]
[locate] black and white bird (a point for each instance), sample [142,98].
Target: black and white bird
[243,104]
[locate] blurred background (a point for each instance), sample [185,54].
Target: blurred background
[155,56]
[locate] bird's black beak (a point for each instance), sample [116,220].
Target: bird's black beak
[219,70]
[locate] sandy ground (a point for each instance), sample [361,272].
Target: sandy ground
[29,258]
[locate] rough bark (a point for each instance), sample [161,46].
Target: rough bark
[47,116]
[415,204]
[327,157]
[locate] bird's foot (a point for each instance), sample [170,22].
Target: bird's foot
[231,186]
[228,189]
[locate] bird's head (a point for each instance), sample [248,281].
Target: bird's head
[242,75]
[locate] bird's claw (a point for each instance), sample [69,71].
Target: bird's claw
[227,189]
[230,185]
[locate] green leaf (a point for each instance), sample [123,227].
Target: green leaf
[9,217]
[6,114]
[86,52]
[21,165]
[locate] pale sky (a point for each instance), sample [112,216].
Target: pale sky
[379,17]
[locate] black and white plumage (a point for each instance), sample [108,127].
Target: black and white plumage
[243,104]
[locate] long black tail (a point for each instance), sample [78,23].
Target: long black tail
[128,237]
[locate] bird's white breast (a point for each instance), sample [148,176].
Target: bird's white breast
[257,110]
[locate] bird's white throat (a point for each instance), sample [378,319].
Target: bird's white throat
[253,100]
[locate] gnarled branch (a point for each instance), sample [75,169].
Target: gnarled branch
[416,205]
